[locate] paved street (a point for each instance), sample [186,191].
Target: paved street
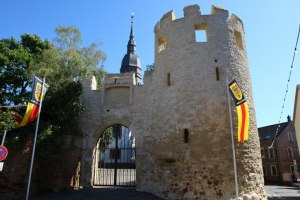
[273,192]
[282,192]
[97,194]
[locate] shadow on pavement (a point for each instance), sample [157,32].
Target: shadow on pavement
[97,193]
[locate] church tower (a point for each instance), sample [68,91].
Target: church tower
[131,61]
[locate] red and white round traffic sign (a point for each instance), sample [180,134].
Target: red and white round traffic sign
[3,153]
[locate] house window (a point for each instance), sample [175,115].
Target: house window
[292,167]
[271,153]
[273,170]
[290,136]
[262,150]
[264,170]
[200,32]
[290,152]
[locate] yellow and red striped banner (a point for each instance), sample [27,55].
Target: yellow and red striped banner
[243,121]
[32,107]
[30,114]
[242,111]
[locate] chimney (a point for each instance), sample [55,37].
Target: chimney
[289,118]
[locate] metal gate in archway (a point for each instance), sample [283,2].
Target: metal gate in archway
[115,158]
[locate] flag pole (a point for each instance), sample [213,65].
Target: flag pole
[232,142]
[35,138]
[3,139]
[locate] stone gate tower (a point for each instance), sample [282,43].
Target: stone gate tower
[180,116]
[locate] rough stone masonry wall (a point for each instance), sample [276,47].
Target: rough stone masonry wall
[13,178]
[180,116]
[184,95]
[55,169]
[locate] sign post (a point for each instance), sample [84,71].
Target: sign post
[41,90]
[233,149]
[1,166]
[3,139]
[3,153]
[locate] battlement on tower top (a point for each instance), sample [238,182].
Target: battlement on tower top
[195,11]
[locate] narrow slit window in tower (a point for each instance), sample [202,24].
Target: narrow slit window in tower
[186,135]
[169,79]
[200,33]
[217,74]
[238,39]
[162,43]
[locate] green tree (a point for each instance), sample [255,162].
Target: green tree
[15,58]
[63,65]
[106,139]
[150,67]
[7,121]
[81,61]
[63,62]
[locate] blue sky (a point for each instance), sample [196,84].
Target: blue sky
[271,28]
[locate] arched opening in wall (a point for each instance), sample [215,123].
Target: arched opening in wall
[115,158]
[162,43]
[238,39]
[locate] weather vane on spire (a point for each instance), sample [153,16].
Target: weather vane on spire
[132,17]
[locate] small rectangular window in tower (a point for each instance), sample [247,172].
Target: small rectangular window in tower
[200,32]
[217,74]
[169,79]
[162,43]
[238,39]
[186,135]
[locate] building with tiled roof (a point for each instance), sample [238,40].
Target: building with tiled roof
[279,152]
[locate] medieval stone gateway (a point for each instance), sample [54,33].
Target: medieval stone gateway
[179,115]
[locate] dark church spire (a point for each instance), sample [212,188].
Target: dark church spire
[131,61]
[131,43]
